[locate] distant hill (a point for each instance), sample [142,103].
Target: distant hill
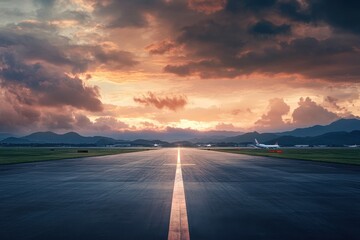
[54,138]
[341,125]
[249,137]
[73,138]
[14,140]
[5,135]
[330,139]
[344,130]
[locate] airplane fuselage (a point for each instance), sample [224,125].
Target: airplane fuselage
[267,146]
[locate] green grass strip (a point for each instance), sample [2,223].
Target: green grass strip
[12,155]
[332,155]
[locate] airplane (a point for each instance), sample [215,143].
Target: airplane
[261,145]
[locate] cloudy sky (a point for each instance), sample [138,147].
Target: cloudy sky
[101,66]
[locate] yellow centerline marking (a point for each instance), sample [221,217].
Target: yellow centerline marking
[183,164]
[178,227]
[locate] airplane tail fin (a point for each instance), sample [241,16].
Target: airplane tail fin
[256,141]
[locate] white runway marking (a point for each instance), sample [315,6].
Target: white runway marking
[179,227]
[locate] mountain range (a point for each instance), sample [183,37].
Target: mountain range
[341,125]
[54,138]
[340,132]
[340,128]
[329,139]
[75,139]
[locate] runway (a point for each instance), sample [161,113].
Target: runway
[226,196]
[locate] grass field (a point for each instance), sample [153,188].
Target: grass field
[334,155]
[10,155]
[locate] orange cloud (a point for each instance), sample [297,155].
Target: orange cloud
[207,6]
[161,47]
[171,102]
[273,118]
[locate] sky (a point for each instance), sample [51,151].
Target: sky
[106,66]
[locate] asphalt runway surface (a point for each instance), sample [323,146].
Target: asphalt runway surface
[227,196]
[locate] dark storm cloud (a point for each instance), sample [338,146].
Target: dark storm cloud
[31,47]
[265,27]
[219,36]
[55,121]
[56,50]
[113,14]
[329,59]
[229,38]
[34,84]
[119,14]
[337,13]
[113,59]
[248,37]
[295,11]
[15,116]
[236,6]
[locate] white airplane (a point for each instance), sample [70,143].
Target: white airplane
[261,145]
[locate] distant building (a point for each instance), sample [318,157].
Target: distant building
[301,146]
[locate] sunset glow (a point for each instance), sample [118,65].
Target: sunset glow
[112,66]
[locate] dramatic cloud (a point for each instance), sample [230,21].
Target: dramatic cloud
[171,102]
[38,41]
[120,14]
[273,118]
[58,121]
[333,104]
[63,63]
[21,118]
[310,113]
[108,124]
[337,13]
[33,84]
[234,45]
[15,117]
[307,113]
